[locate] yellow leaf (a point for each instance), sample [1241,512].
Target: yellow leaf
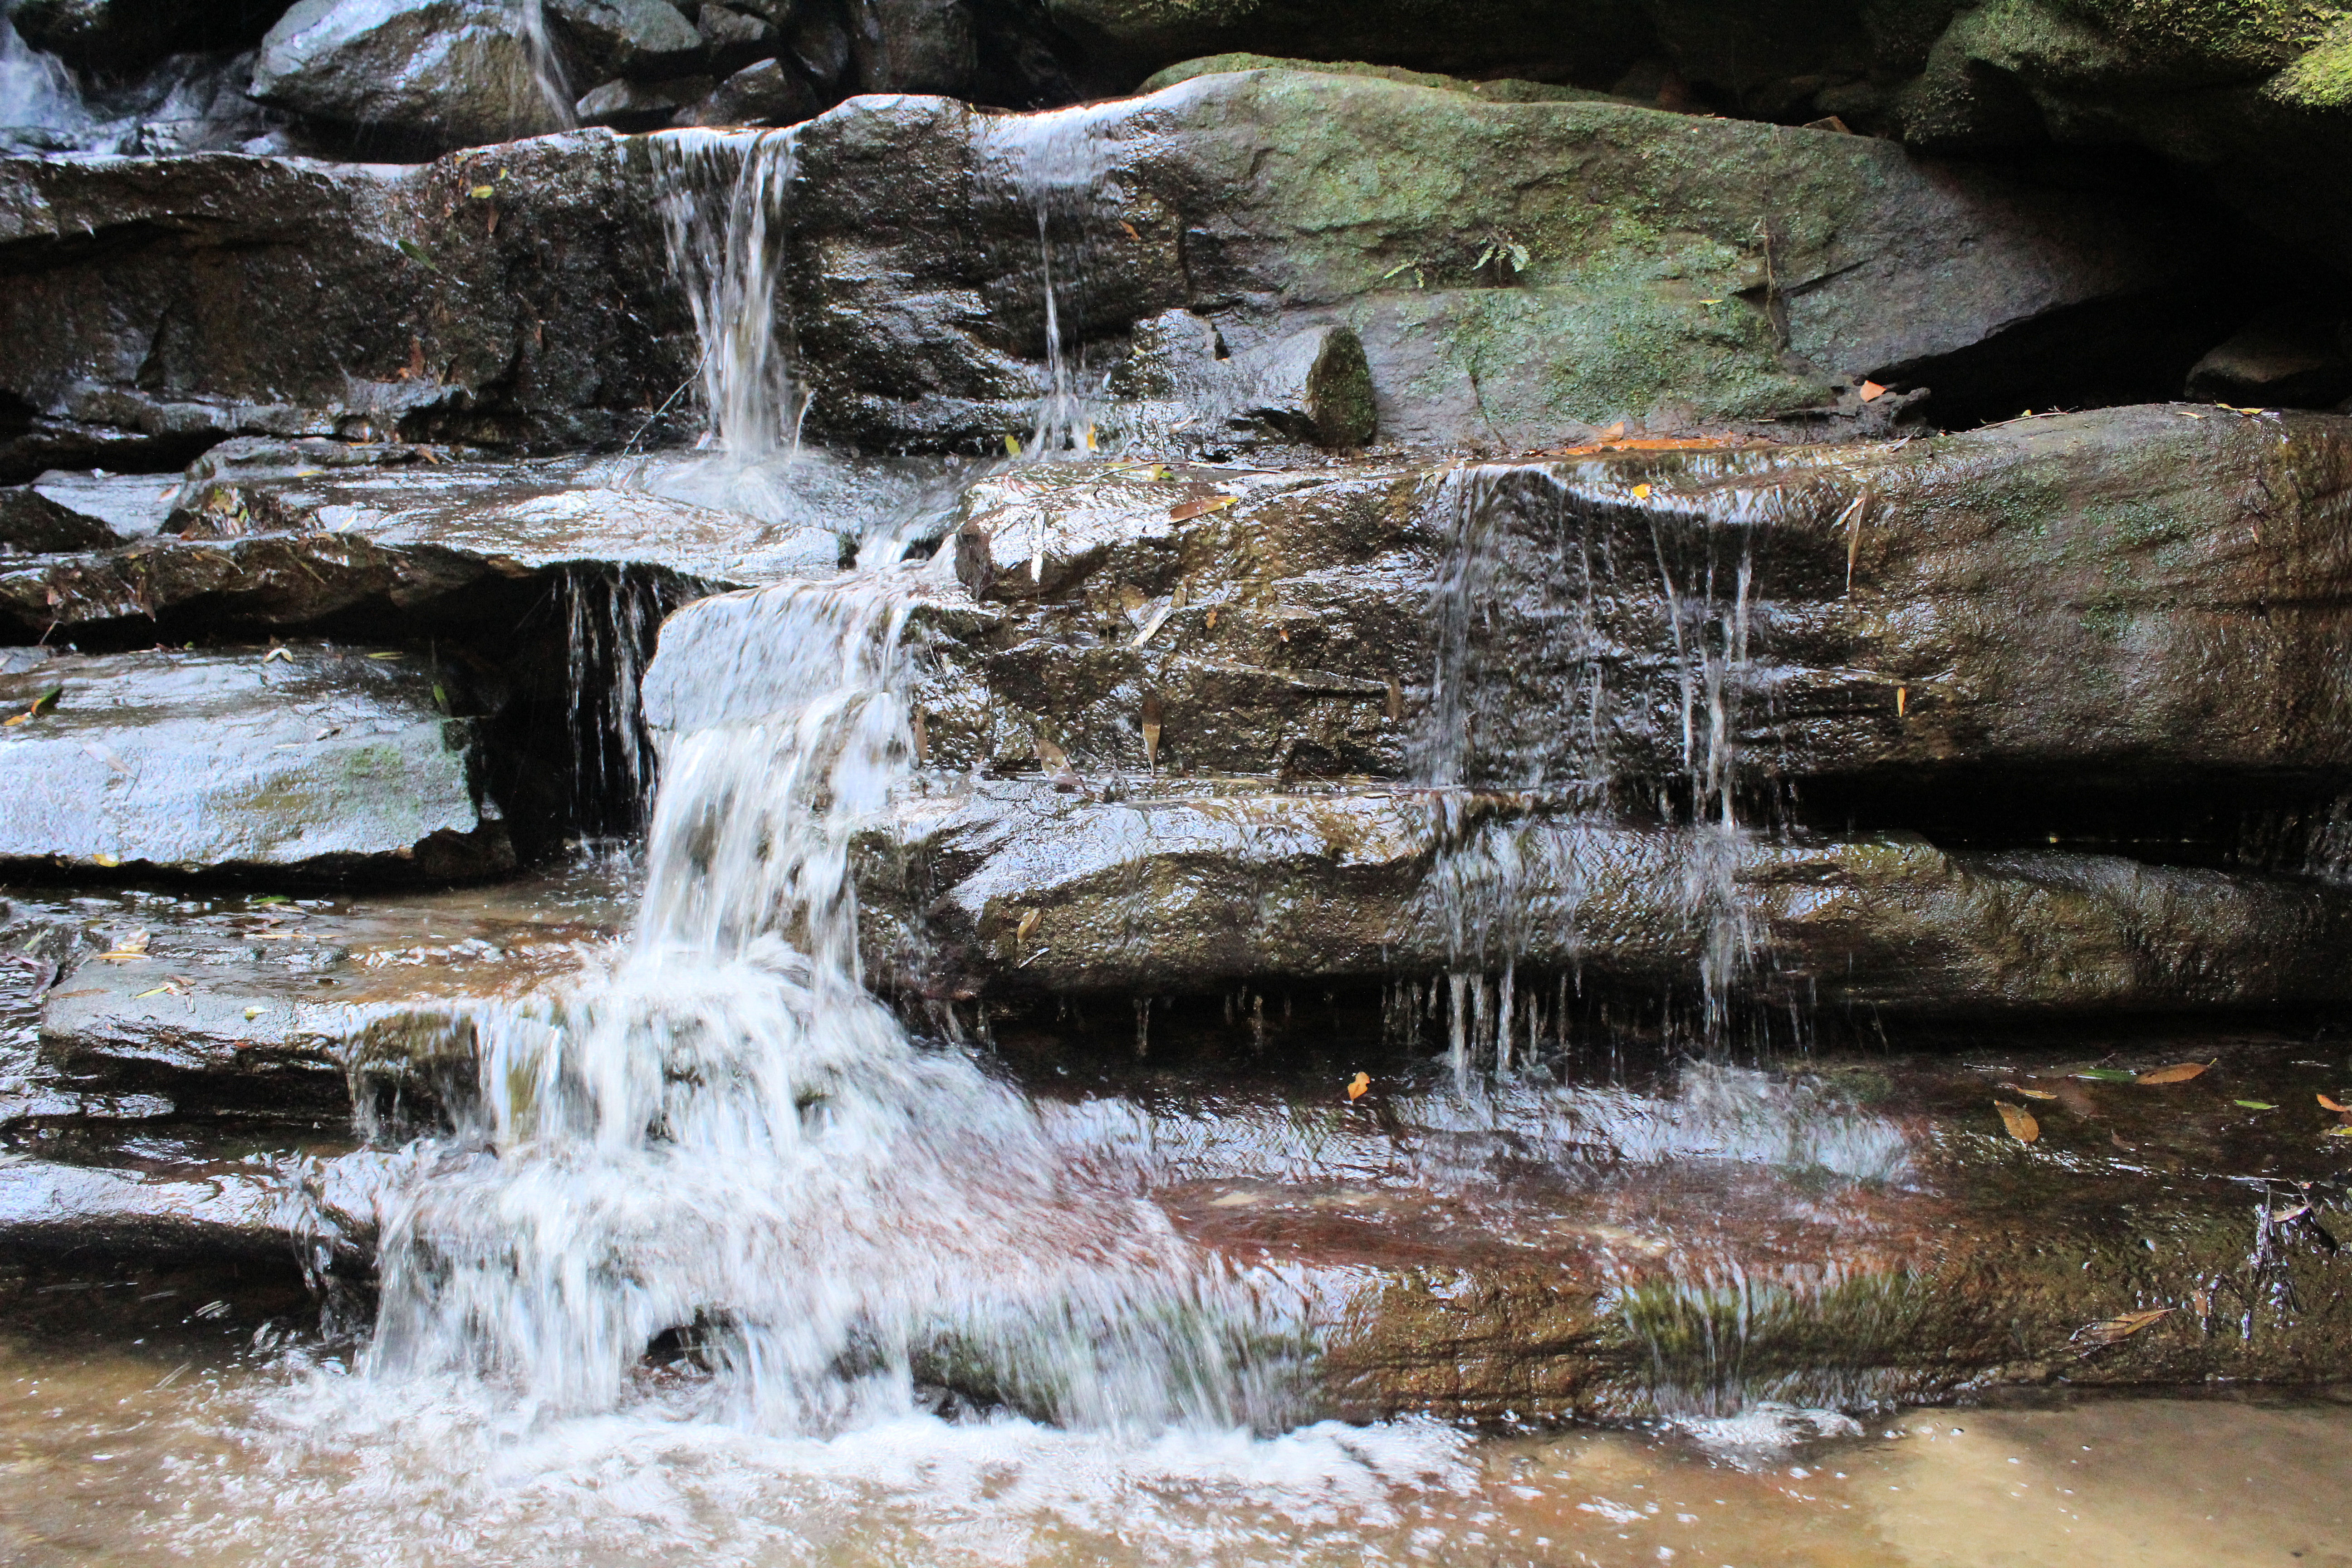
[1212,619]
[159,990]
[12,723]
[2179,1072]
[1192,508]
[483,193]
[1641,492]
[103,859]
[393,654]
[1090,438]
[1358,1085]
[2339,1132]
[252,1012]
[1027,926]
[2098,1334]
[2019,1121]
[1013,446]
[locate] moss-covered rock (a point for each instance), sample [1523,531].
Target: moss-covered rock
[1517,272]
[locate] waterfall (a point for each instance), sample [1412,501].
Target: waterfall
[721,1144]
[1593,653]
[1058,166]
[548,81]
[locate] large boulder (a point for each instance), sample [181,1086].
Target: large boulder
[155,308]
[321,762]
[426,74]
[1517,273]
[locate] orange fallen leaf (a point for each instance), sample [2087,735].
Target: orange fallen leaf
[2179,1072]
[1130,229]
[1192,508]
[2019,1121]
[1872,392]
[2331,1105]
[1358,1085]
[2096,1336]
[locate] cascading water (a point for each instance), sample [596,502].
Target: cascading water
[1630,626]
[1058,166]
[724,1139]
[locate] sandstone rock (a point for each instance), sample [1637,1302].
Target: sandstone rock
[2292,359]
[1315,387]
[914,45]
[64,511]
[293,300]
[244,1005]
[2058,607]
[1200,893]
[641,105]
[323,764]
[430,74]
[763,94]
[921,322]
[633,38]
[1503,91]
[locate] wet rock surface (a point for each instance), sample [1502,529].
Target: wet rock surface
[156,308]
[304,760]
[1228,196]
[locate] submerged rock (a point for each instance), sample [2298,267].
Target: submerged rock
[322,761]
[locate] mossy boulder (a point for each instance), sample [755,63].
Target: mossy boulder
[1517,272]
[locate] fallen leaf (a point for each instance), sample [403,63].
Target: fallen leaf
[2099,1335]
[2030,1093]
[1026,927]
[2019,1121]
[1396,702]
[2339,1132]
[1013,446]
[1130,229]
[159,990]
[2255,1104]
[1872,392]
[103,859]
[483,193]
[2107,1074]
[1358,1085]
[1151,731]
[1152,626]
[2339,1109]
[1641,492]
[1902,701]
[252,1012]
[130,947]
[394,653]
[1212,619]
[281,652]
[1185,510]
[2179,1072]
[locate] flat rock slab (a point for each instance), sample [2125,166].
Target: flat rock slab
[1011,891]
[324,761]
[166,1004]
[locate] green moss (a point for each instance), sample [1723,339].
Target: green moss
[2322,79]
[2242,38]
